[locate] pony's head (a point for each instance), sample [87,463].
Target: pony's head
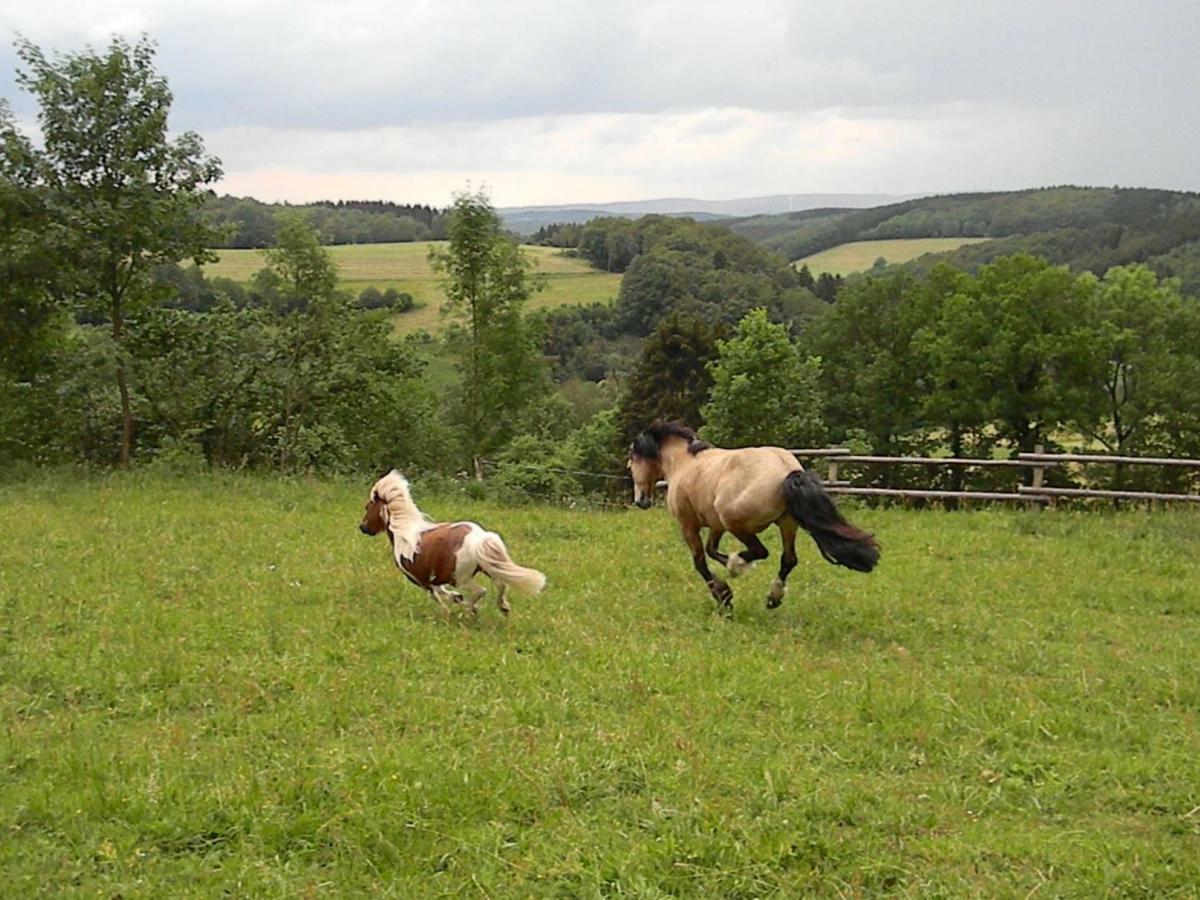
[645,456]
[389,499]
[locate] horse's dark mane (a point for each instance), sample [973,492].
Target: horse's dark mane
[648,444]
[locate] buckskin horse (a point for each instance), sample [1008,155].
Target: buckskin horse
[442,556]
[742,492]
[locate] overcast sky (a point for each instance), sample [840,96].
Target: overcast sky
[555,102]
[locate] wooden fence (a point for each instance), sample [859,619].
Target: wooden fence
[1036,492]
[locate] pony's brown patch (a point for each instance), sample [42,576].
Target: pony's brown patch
[437,555]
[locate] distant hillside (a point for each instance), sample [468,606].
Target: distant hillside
[527,219]
[526,222]
[1086,228]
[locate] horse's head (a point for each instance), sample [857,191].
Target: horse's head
[389,488]
[645,465]
[374,520]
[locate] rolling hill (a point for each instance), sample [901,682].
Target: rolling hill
[1085,228]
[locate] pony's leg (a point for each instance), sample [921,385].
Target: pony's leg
[787,562]
[741,561]
[502,599]
[472,593]
[713,546]
[438,593]
[719,589]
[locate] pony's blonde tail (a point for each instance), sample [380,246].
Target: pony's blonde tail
[493,558]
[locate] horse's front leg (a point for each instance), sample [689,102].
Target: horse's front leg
[787,562]
[719,589]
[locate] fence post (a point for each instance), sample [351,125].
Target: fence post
[832,473]
[1039,475]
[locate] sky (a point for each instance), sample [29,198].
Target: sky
[560,102]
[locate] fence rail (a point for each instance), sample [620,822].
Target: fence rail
[1035,494]
[1037,463]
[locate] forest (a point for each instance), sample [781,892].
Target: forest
[118,349]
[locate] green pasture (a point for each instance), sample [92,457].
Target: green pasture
[858,256]
[405,267]
[214,685]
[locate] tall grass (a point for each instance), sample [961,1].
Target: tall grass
[216,684]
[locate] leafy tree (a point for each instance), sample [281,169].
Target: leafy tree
[30,275]
[487,280]
[125,197]
[671,378]
[1025,341]
[764,391]
[306,272]
[871,375]
[1143,362]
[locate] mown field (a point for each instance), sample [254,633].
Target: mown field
[858,256]
[216,685]
[406,267]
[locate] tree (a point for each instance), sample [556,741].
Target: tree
[125,198]
[30,276]
[671,379]
[1142,362]
[870,375]
[764,391]
[306,271]
[487,281]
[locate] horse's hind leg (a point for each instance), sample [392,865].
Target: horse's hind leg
[718,588]
[713,546]
[502,599]
[787,562]
[741,561]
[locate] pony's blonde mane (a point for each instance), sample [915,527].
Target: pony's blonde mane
[403,519]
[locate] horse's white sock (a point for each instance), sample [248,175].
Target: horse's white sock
[736,565]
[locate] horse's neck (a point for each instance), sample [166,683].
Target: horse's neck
[675,458]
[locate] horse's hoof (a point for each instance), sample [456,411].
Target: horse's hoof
[774,602]
[721,592]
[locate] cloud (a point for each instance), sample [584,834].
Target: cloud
[661,96]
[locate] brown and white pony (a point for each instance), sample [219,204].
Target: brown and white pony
[742,492]
[439,556]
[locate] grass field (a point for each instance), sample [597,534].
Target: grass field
[218,686]
[858,256]
[406,267]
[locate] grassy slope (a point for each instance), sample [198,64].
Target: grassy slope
[858,256]
[406,268]
[219,683]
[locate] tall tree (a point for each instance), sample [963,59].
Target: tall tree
[30,276]
[764,390]
[487,280]
[1142,362]
[671,379]
[303,273]
[126,197]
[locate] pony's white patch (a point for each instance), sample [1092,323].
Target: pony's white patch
[777,589]
[736,565]
[401,516]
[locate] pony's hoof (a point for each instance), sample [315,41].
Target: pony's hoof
[774,602]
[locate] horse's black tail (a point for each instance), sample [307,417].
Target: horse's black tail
[839,541]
